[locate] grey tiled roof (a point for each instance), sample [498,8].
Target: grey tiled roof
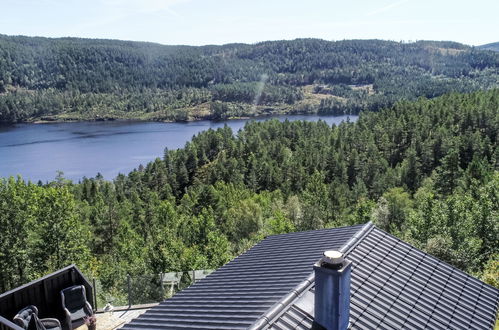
[238,293]
[393,286]
[396,286]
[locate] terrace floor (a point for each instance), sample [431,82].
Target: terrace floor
[117,318]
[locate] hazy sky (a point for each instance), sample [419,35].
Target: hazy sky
[199,22]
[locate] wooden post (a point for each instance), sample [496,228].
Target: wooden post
[161,286]
[95,294]
[129,291]
[46,295]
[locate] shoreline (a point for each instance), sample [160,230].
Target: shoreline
[85,149]
[191,119]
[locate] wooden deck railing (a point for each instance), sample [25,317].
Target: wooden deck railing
[44,293]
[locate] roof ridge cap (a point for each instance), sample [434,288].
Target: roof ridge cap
[275,310]
[357,238]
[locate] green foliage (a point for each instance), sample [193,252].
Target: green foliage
[280,224]
[491,271]
[41,231]
[17,216]
[426,171]
[74,79]
[392,210]
[60,239]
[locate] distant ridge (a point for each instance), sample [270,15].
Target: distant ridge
[492,46]
[68,79]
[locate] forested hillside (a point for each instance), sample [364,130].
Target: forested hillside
[73,79]
[492,46]
[426,171]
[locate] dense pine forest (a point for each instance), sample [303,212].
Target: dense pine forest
[87,79]
[426,171]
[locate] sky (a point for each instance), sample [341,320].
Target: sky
[201,22]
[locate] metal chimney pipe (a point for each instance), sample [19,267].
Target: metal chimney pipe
[332,291]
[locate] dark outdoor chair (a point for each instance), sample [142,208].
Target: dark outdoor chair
[75,305]
[27,318]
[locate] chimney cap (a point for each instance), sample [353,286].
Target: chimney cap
[333,257]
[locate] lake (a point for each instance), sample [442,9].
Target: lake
[38,151]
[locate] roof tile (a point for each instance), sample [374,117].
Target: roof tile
[239,292]
[396,286]
[393,286]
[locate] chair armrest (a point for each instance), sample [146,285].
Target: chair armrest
[51,323]
[68,318]
[66,312]
[89,309]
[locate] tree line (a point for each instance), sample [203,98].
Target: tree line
[75,79]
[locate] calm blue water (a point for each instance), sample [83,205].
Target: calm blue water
[37,151]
